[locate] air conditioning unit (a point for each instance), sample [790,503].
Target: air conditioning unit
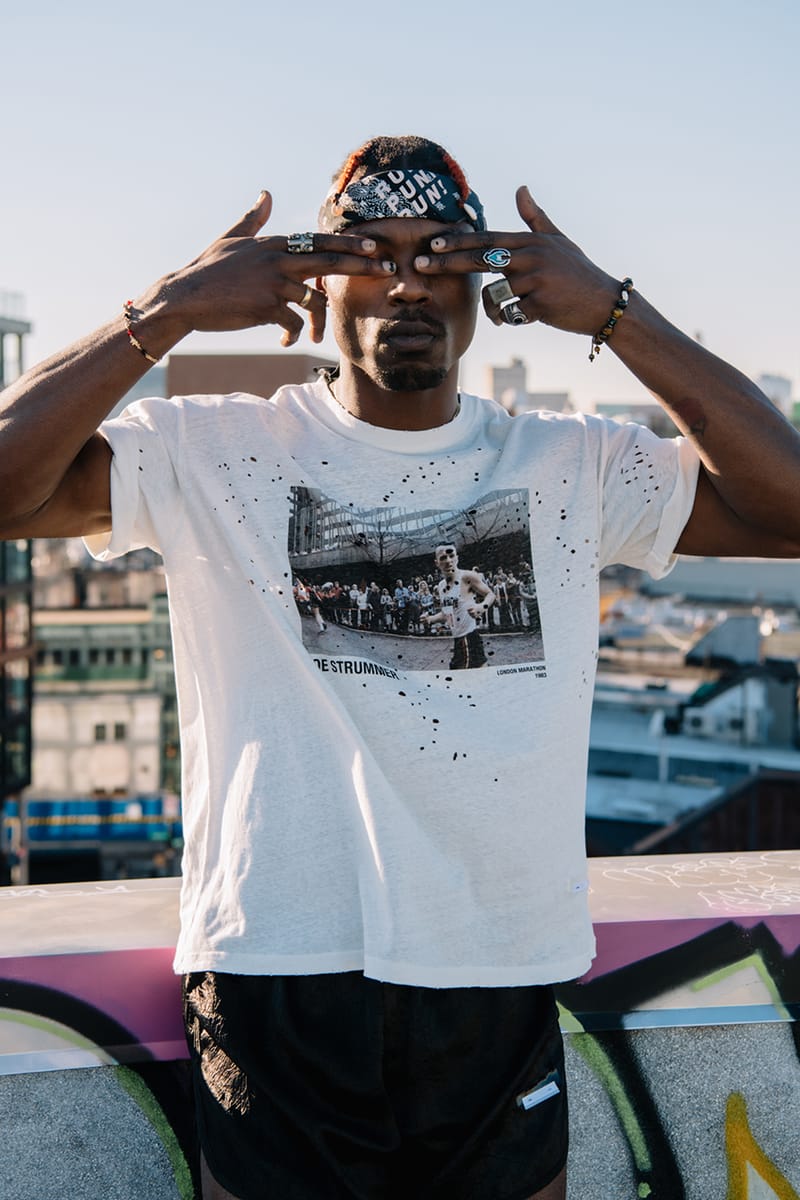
[699,722]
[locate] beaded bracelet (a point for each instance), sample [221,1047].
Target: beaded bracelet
[128,313]
[625,289]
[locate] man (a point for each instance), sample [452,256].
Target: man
[374,602]
[463,599]
[368,957]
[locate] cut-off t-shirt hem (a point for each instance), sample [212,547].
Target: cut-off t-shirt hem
[388,971]
[331,963]
[526,975]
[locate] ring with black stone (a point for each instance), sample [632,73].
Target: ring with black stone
[512,313]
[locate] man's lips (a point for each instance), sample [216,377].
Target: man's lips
[411,335]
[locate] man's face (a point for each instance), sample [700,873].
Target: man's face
[405,332]
[447,560]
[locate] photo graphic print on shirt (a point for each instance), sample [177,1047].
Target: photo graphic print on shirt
[416,589]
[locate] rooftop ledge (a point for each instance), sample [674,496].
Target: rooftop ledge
[682,1054]
[690,940]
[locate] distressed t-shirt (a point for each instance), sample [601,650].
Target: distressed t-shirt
[353,797]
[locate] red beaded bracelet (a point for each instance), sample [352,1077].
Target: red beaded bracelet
[128,313]
[625,289]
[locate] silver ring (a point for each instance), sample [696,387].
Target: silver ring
[512,313]
[500,291]
[307,294]
[300,243]
[498,258]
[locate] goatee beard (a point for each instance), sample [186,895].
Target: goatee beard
[400,378]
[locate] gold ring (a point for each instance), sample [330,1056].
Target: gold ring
[307,294]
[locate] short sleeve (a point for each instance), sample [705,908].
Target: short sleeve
[649,485]
[145,496]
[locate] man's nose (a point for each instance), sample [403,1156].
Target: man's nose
[408,286]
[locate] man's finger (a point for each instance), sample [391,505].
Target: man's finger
[339,243]
[306,297]
[316,323]
[533,216]
[292,323]
[468,262]
[335,262]
[254,219]
[489,239]
[463,253]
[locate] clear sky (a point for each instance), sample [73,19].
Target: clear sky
[663,137]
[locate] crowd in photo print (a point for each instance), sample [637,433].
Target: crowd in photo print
[401,609]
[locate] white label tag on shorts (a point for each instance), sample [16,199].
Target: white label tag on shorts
[543,1091]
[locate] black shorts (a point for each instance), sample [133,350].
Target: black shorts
[468,652]
[335,1087]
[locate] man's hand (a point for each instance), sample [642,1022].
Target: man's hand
[555,282]
[242,280]
[54,468]
[747,495]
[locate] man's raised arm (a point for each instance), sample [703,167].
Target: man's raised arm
[54,466]
[747,496]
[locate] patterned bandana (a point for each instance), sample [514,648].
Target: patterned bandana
[400,193]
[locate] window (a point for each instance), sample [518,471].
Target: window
[17,624]
[14,693]
[74,657]
[99,733]
[17,561]
[120,732]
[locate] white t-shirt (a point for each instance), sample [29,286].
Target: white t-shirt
[349,801]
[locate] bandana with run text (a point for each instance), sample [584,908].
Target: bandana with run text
[400,193]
